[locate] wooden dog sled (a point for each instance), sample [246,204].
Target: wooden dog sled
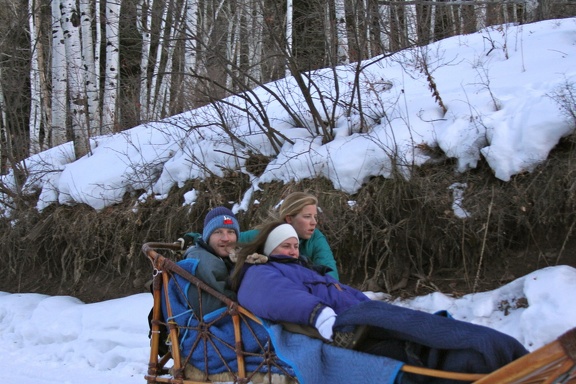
[552,363]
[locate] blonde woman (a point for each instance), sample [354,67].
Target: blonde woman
[300,209]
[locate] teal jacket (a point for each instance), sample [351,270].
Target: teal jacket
[316,249]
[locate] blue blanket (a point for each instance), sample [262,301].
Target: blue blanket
[316,362]
[449,344]
[209,344]
[441,341]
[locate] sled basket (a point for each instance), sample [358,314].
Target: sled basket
[194,364]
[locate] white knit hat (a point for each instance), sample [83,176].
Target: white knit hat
[277,236]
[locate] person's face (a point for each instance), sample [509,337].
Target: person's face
[222,241]
[288,247]
[305,221]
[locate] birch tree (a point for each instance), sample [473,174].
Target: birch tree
[111,83]
[233,44]
[384,20]
[144,25]
[98,43]
[343,53]
[255,15]
[76,77]
[190,47]
[289,31]
[59,79]
[88,45]
[35,122]
[155,80]
[367,27]
[3,124]
[410,23]
[432,23]
[162,108]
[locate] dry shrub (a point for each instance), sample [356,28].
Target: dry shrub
[394,234]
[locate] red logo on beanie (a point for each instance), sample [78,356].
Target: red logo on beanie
[228,220]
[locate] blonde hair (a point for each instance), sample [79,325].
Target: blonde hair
[294,203]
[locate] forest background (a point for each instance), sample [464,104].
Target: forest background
[72,70]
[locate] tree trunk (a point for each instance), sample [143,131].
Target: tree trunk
[89,67]
[384,19]
[162,106]
[76,80]
[59,82]
[190,48]
[255,27]
[35,123]
[289,30]
[4,143]
[155,82]
[232,45]
[111,87]
[144,25]
[411,24]
[342,32]
[367,28]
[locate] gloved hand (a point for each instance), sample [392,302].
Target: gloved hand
[256,258]
[325,322]
[233,255]
[188,239]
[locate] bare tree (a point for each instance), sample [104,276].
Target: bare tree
[111,87]
[76,76]
[144,25]
[154,103]
[35,121]
[255,18]
[343,53]
[190,47]
[59,79]
[92,95]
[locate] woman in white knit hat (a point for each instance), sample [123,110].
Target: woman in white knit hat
[285,271]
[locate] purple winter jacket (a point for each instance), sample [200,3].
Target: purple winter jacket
[286,289]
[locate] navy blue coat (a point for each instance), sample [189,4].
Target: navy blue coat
[287,289]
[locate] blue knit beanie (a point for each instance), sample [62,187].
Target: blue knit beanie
[219,217]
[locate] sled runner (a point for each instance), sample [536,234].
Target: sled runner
[233,345]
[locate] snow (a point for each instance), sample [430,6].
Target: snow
[504,89]
[509,98]
[59,339]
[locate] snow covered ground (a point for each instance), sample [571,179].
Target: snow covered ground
[59,339]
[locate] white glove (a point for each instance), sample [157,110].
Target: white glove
[324,323]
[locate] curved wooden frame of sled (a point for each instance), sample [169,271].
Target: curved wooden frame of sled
[157,373]
[552,363]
